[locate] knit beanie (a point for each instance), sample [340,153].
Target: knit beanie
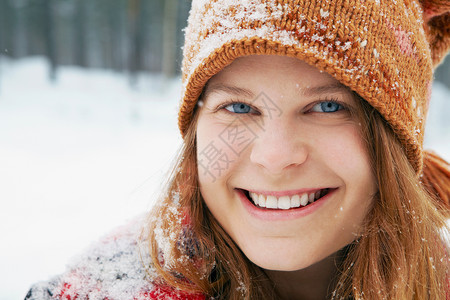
[384,50]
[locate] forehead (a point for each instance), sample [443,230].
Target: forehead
[273,64]
[261,72]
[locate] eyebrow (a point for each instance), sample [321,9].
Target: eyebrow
[232,90]
[328,88]
[307,92]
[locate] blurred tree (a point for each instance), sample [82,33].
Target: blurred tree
[5,36]
[18,28]
[183,14]
[130,35]
[136,22]
[49,36]
[169,38]
[5,27]
[80,45]
[114,33]
[154,36]
[443,72]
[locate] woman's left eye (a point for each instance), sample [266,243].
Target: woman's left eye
[327,107]
[239,108]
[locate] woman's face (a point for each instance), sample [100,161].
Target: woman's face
[282,165]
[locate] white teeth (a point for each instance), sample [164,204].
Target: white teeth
[258,199]
[254,197]
[304,199]
[284,202]
[295,201]
[261,200]
[317,195]
[271,202]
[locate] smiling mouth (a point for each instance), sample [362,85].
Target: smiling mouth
[285,202]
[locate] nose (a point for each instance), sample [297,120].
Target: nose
[279,147]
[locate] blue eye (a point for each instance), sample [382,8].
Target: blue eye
[238,108]
[327,107]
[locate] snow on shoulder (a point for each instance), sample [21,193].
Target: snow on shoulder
[116,267]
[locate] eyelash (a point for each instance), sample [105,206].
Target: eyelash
[231,102]
[342,105]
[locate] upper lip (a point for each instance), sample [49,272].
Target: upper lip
[286,192]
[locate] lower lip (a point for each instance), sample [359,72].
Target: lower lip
[282,214]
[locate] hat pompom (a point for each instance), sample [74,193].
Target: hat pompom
[433,8]
[436,177]
[436,14]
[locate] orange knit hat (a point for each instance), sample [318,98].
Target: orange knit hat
[383,50]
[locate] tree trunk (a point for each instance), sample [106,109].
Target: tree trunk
[169,38]
[49,34]
[20,44]
[134,55]
[80,33]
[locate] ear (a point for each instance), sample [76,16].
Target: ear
[436,16]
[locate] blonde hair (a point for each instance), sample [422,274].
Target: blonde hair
[400,255]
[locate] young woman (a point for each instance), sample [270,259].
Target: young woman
[302,174]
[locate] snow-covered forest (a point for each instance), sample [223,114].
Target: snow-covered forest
[123,35]
[88,105]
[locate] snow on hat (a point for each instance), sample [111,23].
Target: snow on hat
[383,50]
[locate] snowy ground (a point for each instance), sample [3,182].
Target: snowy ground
[81,156]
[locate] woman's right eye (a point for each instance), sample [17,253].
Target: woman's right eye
[239,108]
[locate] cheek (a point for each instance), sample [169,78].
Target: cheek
[344,151]
[352,163]
[220,147]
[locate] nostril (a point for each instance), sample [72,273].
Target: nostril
[277,156]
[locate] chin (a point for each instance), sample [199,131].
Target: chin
[283,264]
